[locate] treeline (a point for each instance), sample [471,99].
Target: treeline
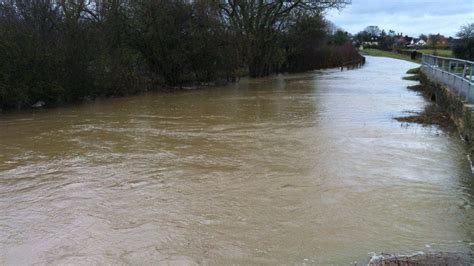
[65,51]
[464,48]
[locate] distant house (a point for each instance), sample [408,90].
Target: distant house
[420,43]
[437,39]
[416,43]
[442,40]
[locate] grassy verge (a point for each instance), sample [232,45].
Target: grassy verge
[414,74]
[415,77]
[414,71]
[377,52]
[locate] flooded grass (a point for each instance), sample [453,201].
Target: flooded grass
[416,88]
[440,258]
[432,115]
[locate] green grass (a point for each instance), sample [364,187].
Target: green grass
[377,52]
[415,77]
[415,70]
[438,52]
[414,74]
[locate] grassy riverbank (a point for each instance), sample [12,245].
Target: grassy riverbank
[377,52]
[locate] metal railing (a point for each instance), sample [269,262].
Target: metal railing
[456,74]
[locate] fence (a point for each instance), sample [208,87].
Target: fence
[353,64]
[456,74]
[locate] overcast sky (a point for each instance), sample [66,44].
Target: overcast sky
[412,17]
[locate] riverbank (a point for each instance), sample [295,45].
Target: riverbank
[382,53]
[30,99]
[460,112]
[130,47]
[437,52]
[431,115]
[447,110]
[404,55]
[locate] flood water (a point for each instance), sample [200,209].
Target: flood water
[308,168]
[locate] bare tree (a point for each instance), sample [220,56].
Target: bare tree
[466,31]
[373,30]
[257,22]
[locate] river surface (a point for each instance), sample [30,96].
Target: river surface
[308,168]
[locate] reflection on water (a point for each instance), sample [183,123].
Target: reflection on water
[307,168]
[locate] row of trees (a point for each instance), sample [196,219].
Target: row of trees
[462,46]
[393,40]
[68,50]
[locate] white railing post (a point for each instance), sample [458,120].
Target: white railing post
[469,89]
[463,77]
[442,69]
[450,65]
[471,72]
[454,77]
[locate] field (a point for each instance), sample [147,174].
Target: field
[377,52]
[438,52]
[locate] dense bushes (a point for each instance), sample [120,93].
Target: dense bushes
[65,51]
[465,49]
[309,46]
[49,53]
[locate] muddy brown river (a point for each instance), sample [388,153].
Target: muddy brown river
[293,169]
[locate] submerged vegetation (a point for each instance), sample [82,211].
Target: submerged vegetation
[420,258]
[66,51]
[431,115]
